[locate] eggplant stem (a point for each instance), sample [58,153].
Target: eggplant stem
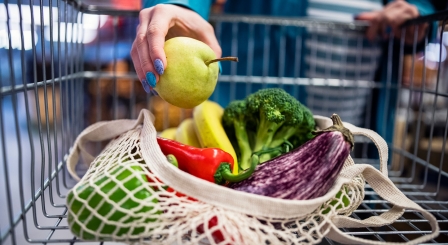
[227,174]
[336,120]
[338,126]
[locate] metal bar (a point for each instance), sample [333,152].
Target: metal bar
[61,103]
[266,48]
[29,127]
[9,203]
[233,66]
[400,76]
[45,102]
[390,51]
[39,123]
[291,21]
[361,233]
[114,69]
[250,57]
[441,216]
[439,16]
[369,229]
[416,201]
[253,79]
[72,89]
[53,99]
[31,204]
[56,225]
[80,63]
[218,31]
[389,226]
[433,113]
[419,120]
[414,50]
[281,57]
[65,98]
[297,61]
[421,161]
[98,82]
[406,211]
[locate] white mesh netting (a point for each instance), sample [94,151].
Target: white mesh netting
[120,199]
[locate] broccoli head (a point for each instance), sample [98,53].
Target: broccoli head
[275,111]
[266,120]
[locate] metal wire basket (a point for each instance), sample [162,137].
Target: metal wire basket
[65,65]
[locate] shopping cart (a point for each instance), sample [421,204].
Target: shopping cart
[65,65]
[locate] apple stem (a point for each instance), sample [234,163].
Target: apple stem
[235,59]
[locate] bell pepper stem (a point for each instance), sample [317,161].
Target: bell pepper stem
[224,173]
[172,159]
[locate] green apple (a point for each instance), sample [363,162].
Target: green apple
[191,73]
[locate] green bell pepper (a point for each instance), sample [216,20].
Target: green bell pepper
[129,212]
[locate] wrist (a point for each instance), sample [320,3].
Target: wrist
[199,6]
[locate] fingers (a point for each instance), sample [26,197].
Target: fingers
[208,37]
[389,19]
[160,22]
[138,68]
[375,19]
[147,51]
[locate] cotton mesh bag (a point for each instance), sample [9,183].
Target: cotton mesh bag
[131,193]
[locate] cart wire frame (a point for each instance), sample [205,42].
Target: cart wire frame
[54,82]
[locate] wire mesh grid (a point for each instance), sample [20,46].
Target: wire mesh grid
[65,65]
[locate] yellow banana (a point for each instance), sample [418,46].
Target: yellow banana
[168,133]
[207,125]
[185,133]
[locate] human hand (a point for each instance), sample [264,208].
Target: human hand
[390,18]
[160,23]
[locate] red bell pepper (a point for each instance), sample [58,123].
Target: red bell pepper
[211,164]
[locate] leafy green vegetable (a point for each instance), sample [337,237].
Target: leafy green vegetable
[266,120]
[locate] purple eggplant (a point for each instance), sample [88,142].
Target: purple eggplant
[306,172]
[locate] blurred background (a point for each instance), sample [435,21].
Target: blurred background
[62,69]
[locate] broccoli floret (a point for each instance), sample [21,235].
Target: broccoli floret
[279,114]
[266,120]
[235,121]
[301,128]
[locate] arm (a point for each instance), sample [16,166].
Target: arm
[199,6]
[393,15]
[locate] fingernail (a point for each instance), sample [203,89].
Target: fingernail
[158,64]
[146,86]
[220,67]
[151,78]
[154,92]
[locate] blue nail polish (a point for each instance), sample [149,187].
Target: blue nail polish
[158,64]
[220,67]
[151,78]
[146,86]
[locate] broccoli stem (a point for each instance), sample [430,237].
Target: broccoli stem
[243,144]
[265,133]
[282,135]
